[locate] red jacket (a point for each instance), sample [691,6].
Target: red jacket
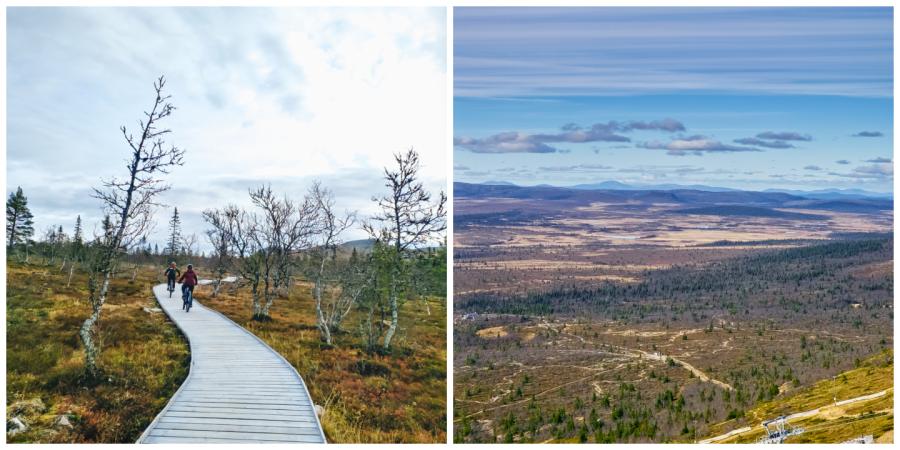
[189,278]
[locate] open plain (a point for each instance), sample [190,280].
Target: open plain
[660,316]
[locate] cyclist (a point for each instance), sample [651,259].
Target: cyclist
[172,273]
[189,280]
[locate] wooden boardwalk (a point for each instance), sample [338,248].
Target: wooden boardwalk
[238,388]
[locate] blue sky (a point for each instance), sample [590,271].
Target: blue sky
[280,96]
[753,98]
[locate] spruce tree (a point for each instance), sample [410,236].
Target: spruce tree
[174,236]
[19,226]
[76,248]
[77,235]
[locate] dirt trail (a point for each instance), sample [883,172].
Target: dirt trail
[799,415]
[654,356]
[697,372]
[538,394]
[703,376]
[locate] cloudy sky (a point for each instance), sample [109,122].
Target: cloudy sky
[280,96]
[756,98]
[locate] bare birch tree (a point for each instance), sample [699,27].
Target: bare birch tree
[189,245]
[264,245]
[128,203]
[409,219]
[221,254]
[234,228]
[281,230]
[331,307]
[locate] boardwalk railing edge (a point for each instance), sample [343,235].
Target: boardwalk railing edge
[183,383]
[285,361]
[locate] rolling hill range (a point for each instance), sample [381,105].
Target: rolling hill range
[675,197]
[679,201]
[821,194]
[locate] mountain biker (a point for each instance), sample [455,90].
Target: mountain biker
[172,273]
[189,278]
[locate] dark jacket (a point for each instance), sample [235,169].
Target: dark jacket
[189,278]
[172,273]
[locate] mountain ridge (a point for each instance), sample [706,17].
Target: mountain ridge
[612,185]
[683,197]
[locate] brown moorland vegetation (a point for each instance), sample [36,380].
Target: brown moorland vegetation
[396,397]
[144,357]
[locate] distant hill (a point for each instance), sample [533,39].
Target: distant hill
[582,196]
[862,205]
[821,194]
[836,194]
[365,245]
[359,244]
[616,185]
[747,211]
[609,185]
[685,197]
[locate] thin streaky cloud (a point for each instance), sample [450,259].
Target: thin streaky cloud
[522,142]
[763,143]
[618,51]
[695,145]
[784,136]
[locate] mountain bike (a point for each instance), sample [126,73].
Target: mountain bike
[171,283]
[188,298]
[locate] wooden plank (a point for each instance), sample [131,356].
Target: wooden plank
[206,440]
[224,410]
[248,392]
[247,388]
[237,416]
[274,407]
[273,435]
[252,429]
[246,402]
[236,435]
[245,395]
[292,397]
[239,422]
[247,399]
[206,375]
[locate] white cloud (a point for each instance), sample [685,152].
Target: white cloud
[262,94]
